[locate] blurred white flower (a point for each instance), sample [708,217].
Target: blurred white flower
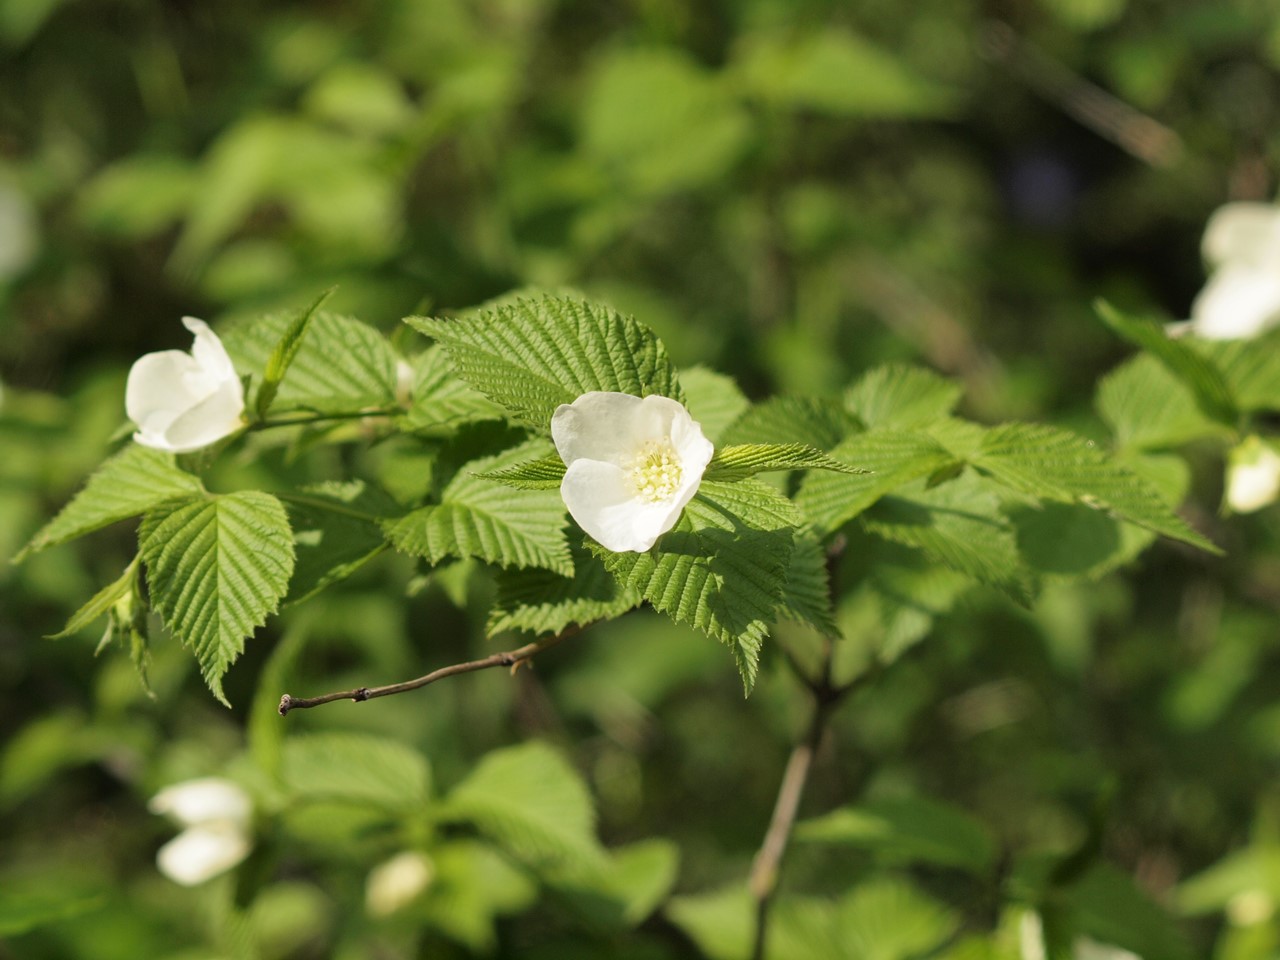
[404,382]
[216,814]
[394,884]
[632,465]
[1241,245]
[185,401]
[1253,476]
[1031,936]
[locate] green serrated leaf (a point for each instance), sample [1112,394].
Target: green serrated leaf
[815,421]
[216,567]
[907,830]
[901,397]
[100,602]
[284,352]
[478,518]
[341,366]
[532,803]
[829,500]
[1054,464]
[722,568]
[355,768]
[545,473]
[130,483]
[337,529]
[959,524]
[440,401]
[807,594]
[1202,378]
[1147,407]
[530,356]
[544,603]
[713,399]
[742,460]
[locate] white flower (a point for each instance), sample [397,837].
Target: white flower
[216,813]
[185,401]
[1242,298]
[632,464]
[1253,476]
[395,883]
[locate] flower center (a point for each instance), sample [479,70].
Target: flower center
[654,472]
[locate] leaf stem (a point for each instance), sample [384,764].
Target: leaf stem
[322,504]
[322,417]
[507,658]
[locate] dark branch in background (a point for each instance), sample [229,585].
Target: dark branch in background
[507,658]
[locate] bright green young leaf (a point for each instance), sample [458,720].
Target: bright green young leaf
[355,768]
[713,399]
[742,460]
[132,482]
[889,919]
[815,421]
[722,568]
[656,120]
[829,500]
[901,397]
[337,529]
[544,603]
[1147,407]
[1250,367]
[807,594]
[284,352]
[959,524]
[835,72]
[533,804]
[100,602]
[341,366]
[530,356]
[216,566]
[1054,464]
[545,473]
[907,829]
[479,518]
[440,401]
[1202,378]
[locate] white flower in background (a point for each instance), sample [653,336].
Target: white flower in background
[185,401]
[632,465]
[1031,937]
[216,815]
[1253,476]
[394,884]
[1242,298]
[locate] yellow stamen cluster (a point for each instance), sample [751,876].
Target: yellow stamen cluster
[654,472]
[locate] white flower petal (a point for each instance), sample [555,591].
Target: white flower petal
[602,503]
[395,883]
[1253,476]
[1238,302]
[183,402]
[201,853]
[213,418]
[200,801]
[1242,233]
[208,350]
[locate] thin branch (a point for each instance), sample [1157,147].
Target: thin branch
[508,658]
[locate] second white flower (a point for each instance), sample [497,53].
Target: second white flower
[632,465]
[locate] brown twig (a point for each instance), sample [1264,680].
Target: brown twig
[765,868]
[507,658]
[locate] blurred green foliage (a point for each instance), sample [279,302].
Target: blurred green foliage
[790,192]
